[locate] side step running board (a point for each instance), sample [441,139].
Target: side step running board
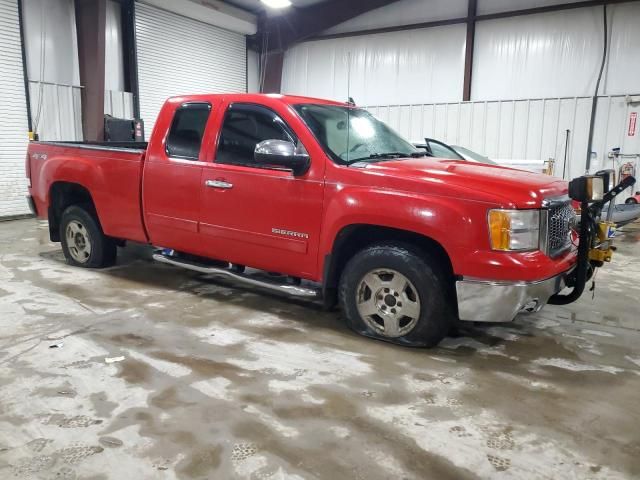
[294,290]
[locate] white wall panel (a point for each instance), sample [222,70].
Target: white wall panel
[117,102]
[13,118]
[413,66]
[53,70]
[523,132]
[404,12]
[538,56]
[497,6]
[623,73]
[113,52]
[50,41]
[554,54]
[179,56]
[557,54]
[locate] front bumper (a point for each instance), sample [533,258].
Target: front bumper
[500,301]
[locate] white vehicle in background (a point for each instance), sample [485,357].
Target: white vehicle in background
[472,156]
[439,149]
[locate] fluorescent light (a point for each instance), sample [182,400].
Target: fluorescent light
[277,3]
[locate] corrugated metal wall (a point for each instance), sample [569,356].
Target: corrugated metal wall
[56,110]
[13,118]
[178,55]
[118,104]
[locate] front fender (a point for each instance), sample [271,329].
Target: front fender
[453,223]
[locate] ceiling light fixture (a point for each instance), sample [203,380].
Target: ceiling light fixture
[277,3]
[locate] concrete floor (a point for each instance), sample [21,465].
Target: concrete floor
[219,382]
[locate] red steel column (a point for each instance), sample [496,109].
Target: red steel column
[90,25]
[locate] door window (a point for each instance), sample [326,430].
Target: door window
[185,137]
[244,127]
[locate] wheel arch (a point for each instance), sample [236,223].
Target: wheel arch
[61,196]
[353,238]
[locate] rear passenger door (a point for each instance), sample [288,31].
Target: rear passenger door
[171,182]
[255,215]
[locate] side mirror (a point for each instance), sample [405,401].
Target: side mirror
[280,153]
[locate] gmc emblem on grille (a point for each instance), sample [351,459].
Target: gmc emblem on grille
[289,233]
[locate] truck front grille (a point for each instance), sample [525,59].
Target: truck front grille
[560,219]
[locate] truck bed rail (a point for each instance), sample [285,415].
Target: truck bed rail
[110,146]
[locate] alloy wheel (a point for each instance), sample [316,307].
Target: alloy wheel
[388,302]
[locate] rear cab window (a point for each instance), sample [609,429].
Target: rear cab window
[187,129]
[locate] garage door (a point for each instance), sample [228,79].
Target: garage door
[13,117]
[178,55]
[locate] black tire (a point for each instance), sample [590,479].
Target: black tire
[103,249]
[436,317]
[631,201]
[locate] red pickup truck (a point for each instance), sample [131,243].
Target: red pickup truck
[327,196]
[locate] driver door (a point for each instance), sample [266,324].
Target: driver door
[440,150]
[254,215]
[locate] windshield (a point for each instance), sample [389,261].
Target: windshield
[473,156]
[352,135]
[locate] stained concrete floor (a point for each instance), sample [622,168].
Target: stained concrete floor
[223,383]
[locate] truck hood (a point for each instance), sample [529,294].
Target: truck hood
[492,183]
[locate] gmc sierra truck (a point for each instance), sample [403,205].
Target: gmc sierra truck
[330,198]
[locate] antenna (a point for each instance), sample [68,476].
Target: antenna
[348,108]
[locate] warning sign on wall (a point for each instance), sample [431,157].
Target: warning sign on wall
[633,122]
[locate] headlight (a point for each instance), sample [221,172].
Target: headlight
[586,189]
[514,229]
[609,179]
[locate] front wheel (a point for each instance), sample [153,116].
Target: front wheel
[631,201]
[83,242]
[397,294]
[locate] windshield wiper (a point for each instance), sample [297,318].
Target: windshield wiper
[391,156]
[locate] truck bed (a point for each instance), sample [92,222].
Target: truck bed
[111,172]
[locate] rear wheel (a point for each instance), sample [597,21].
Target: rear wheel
[83,242]
[397,294]
[631,201]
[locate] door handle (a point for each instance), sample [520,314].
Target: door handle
[218,184]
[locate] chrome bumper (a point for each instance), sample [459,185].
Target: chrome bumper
[498,301]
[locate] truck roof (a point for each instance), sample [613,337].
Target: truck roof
[255,97]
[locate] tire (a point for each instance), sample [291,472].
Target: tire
[396,293]
[631,201]
[83,242]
